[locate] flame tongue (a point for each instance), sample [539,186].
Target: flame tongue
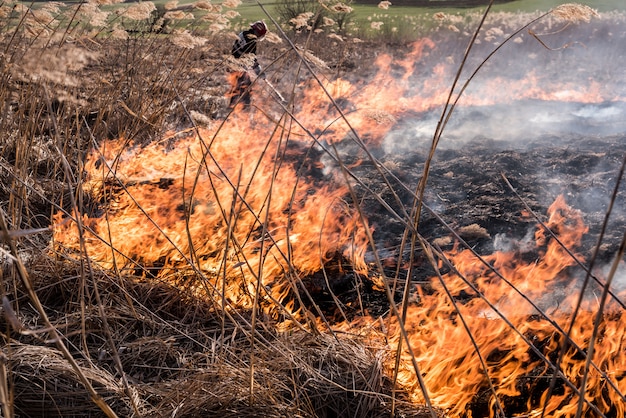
[517,327]
[231,210]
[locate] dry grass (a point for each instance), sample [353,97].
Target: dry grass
[178,355]
[118,343]
[79,340]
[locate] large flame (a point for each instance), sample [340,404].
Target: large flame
[224,204]
[516,313]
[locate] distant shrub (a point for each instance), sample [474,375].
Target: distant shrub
[315,15]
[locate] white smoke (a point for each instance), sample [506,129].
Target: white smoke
[580,69]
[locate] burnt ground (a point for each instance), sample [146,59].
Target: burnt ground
[466,182]
[467,187]
[467,196]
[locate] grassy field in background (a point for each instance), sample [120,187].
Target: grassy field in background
[399,23]
[363,14]
[250,9]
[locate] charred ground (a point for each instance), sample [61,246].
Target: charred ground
[489,194]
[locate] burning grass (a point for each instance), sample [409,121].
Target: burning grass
[164,258]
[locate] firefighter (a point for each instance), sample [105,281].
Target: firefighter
[246,44]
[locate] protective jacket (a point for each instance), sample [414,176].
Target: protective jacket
[245,44]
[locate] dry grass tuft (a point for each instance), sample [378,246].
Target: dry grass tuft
[181,357]
[185,39]
[314,60]
[341,8]
[384,5]
[573,12]
[56,66]
[45,383]
[473,231]
[139,11]
[273,38]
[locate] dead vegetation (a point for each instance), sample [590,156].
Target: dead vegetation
[80,340]
[150,349]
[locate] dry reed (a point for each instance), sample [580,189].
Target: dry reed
[150,348]
[147,348]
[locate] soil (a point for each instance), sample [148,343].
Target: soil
[490,195]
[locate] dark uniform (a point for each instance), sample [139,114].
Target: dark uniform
[246,44]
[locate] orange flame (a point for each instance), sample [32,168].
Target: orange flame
[221,203]
[230,204]
[515,317]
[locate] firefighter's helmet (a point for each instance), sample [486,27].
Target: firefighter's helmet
[260,28]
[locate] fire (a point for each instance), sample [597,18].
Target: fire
[224,206]
[244,207]
[516,313]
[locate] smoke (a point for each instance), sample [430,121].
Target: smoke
[513,125]
[506,243]
[555,80]
[619,280]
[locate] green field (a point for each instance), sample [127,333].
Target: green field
[396,24]
[363,14]
[250,9]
